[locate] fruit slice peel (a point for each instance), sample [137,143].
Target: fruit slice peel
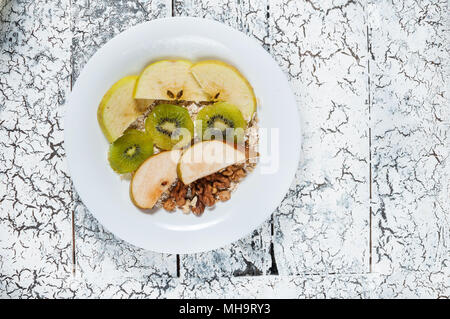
[117,109]
[168,80]
[221,119]
[129,151]
[223,82]
[153,178]
[170,126]
[205,158]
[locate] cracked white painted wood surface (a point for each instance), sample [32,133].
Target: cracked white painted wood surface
[410,135]
[35,190]
[322,225]
[396,285]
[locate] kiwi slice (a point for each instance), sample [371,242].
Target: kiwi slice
[222,120]
[170,126]
[129,151]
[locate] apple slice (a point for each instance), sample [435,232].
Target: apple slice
[205,158]
[153,178]
[168,80]
[223,82]
[118,109]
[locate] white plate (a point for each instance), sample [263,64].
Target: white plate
[107,196]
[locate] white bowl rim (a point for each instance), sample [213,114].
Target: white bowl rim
[198,242]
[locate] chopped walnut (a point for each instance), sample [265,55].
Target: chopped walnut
[208,200]
[224,195]
[199,208]
[169,205]
[222,179]
[228,171]
[179,194]
[180,201]
[238,175]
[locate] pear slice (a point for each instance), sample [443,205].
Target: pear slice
[153,178]
[117,109]
[223,82]
[168,80]
[205,158]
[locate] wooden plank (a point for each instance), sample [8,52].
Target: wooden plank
[274,287]
[35,190]
[248,16]
[322,225]
[251,255]
[410,136]
[333,286]
[106,265]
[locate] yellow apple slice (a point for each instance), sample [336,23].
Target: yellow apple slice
[205,158]
[153,178]
[117,109]
[223,82]
[168,80]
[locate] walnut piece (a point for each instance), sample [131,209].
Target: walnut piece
[228,171]
[199,208]
[224,195]
[169,205]
[238,175]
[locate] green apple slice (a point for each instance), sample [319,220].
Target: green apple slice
[205,158]
[153,178]
[117,109]
[168,80]
[223,82]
